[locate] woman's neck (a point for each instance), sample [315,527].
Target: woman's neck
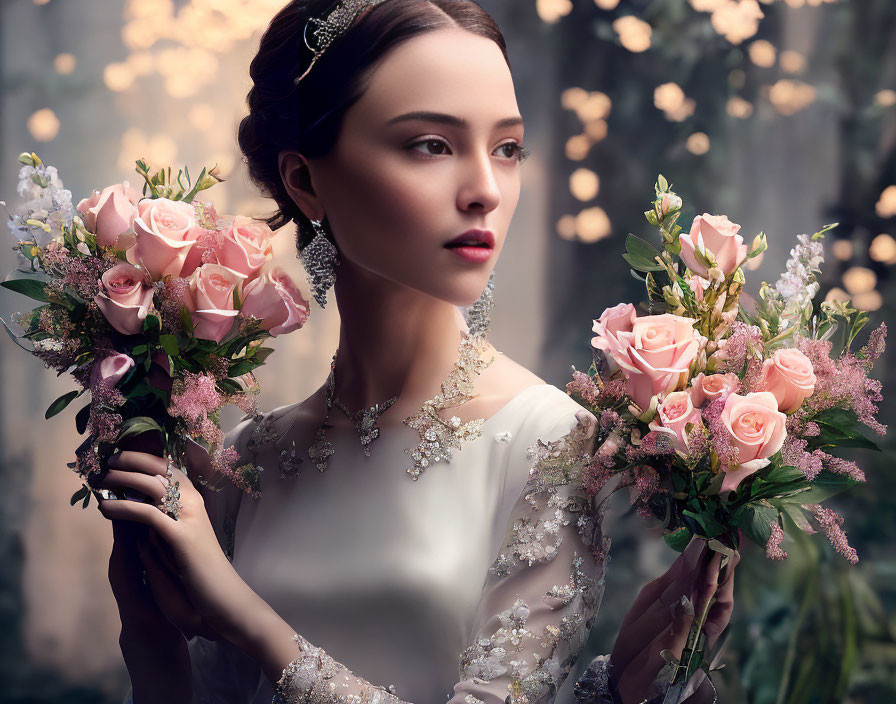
[393,341]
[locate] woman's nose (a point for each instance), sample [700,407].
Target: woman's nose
[479,187]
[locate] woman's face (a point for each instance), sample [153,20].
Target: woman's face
[399,185]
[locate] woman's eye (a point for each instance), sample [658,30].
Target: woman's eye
[514,150]
[434,147]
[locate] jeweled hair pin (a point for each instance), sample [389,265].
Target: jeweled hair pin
[326,31]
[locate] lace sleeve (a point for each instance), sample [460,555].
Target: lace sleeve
[537,605]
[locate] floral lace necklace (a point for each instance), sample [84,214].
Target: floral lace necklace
[438,437]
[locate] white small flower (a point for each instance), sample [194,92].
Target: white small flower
[504,436]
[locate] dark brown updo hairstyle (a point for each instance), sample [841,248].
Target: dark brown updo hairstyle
[307,117]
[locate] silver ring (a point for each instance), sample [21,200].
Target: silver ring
[171,501]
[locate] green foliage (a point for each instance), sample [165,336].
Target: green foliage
[60,403]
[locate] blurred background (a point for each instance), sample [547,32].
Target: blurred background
[780,114]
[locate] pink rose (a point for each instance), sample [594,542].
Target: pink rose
[165,230]
[125,297]
[276,301]
[710,387]
[789,375]
[674,414]
[669,202]
[110,212]
[111,369]
[718,235]
[698,285]
[619,318]
[756,428]
[210,301]
[655,355]
[245,246]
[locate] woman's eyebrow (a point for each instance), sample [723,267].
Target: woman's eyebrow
[453,120]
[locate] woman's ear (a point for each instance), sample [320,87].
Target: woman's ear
[296,175]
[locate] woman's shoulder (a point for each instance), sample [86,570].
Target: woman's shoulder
[538,409]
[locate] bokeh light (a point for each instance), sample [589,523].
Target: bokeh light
[859,279]
[577,147]
[763,53]
[885,98]
[64,64]
[790,96]
[842,250]
[592,224]
[793,62]
[551,11]
[870,301]
[670,98]
[566,227]
[738,107]
[698,143]
[634,34]
[43,125]
[584,184]
[883,249]
[886,206]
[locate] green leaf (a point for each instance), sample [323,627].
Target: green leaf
[795,514]
[86,501]
[678,540]
[61,402]
[13,336]
[151,324]
[756,522]
[229,386]
[783,474]
[79,494]
[169,344]
[27,287]
[711,527]
[81,418]
[138,426]
[824,486]
[640,248]
[640,264]
[241,367]
[261,354]
[139,349]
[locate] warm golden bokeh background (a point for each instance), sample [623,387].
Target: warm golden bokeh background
[780,114]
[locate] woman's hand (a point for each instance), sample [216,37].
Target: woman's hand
[661,618]
[154,651]
[191,579]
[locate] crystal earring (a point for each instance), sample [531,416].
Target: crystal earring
[479,314]
[320,257]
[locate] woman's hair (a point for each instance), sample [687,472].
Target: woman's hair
[307,117]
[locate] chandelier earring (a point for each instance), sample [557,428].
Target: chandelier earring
[320,257]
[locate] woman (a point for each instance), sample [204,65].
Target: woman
[404,538]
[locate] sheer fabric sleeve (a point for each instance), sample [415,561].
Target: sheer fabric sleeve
[537,604]
[221,672]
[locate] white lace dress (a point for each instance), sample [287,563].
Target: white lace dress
[479,582]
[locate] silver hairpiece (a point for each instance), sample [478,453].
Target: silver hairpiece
[325,32]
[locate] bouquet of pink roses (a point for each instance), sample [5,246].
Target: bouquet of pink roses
[722,414]
[157,306]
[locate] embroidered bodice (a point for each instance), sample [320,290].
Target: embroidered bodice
[477,583]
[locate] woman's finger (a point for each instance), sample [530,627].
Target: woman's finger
[124,510]
[642,627]
[720,612]
[168,591]
[684,565]
[132,461]
[642,670]
[153,487]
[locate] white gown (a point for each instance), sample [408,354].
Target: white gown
[479,580]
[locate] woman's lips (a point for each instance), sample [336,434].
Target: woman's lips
[472,253]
